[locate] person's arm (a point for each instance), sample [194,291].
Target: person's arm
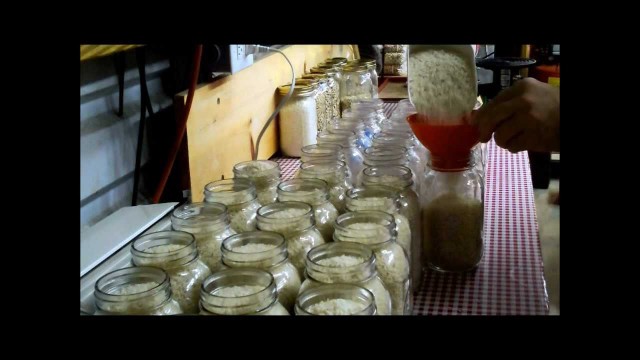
[525,116]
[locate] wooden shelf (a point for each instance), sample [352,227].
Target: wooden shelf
[93,51]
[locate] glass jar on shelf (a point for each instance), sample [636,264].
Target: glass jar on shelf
[334,173]
[331,97]
[324,151]
[298,119]
[355,85]
[323,107]
[371,66]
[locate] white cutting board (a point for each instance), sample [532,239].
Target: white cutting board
[116,230]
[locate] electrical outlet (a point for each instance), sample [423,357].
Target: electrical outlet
[238,58]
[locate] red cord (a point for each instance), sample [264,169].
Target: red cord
[183,126]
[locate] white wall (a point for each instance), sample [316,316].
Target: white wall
[108,142]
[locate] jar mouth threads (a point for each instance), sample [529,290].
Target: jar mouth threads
[276,251]
[140,288]
[259,294]
[176,248]
[318,270]
[200,217]
[233,191]
[359,297]
[256,168]
[317,189]
[370,227]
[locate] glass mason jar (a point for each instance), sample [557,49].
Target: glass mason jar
[390,155]
[294,220]
[453,216]
[369,121]
[353,125]
[176,253]
[406,140]
[352,152]
[331,104]
[373,107]
[371,66]
[322,111]
[314,192]
[135,291]
[267,251]
[336,299]
[324,151]
[341,61]
[239,195]
[335,74]
[387,199]
[265,175]
[400,178]
[209,224]
[240,292]
[348,263]
[355,84]
[298,119]
[376,229]
[334,173]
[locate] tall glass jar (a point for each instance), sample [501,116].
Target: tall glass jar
[453,216]
[371,66]
[321,91]
[336,299]
[294,220]
[265,175]
[335,74]
[348,263]
[377,230]
[298,119]
[176,253]
[135,291]
[267,251]
[239,195]
[209,224]
[314,192]
[400,178]
[355,84]
[334,173]
[331,96]
[240,292]
[352,152]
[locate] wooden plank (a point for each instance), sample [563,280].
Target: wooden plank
[92,51]
[227,115]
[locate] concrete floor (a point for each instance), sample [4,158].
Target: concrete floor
[549,228]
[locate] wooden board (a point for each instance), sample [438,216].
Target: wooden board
[226,116]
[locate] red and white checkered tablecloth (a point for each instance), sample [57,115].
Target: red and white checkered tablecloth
[510,278]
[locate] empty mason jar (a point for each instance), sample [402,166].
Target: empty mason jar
[239,195]
[324,151]
[240,292]
[176,253]
[352,152]
[348,263]
[265,175]
[334,173]
[267,251]
[369,121]
[390,155]
[135,291]
[293,220]
[336,299]
[371,66]
[352,125]
[376,229]
[209,224]
[314,192]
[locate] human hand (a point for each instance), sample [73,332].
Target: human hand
[525,116]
